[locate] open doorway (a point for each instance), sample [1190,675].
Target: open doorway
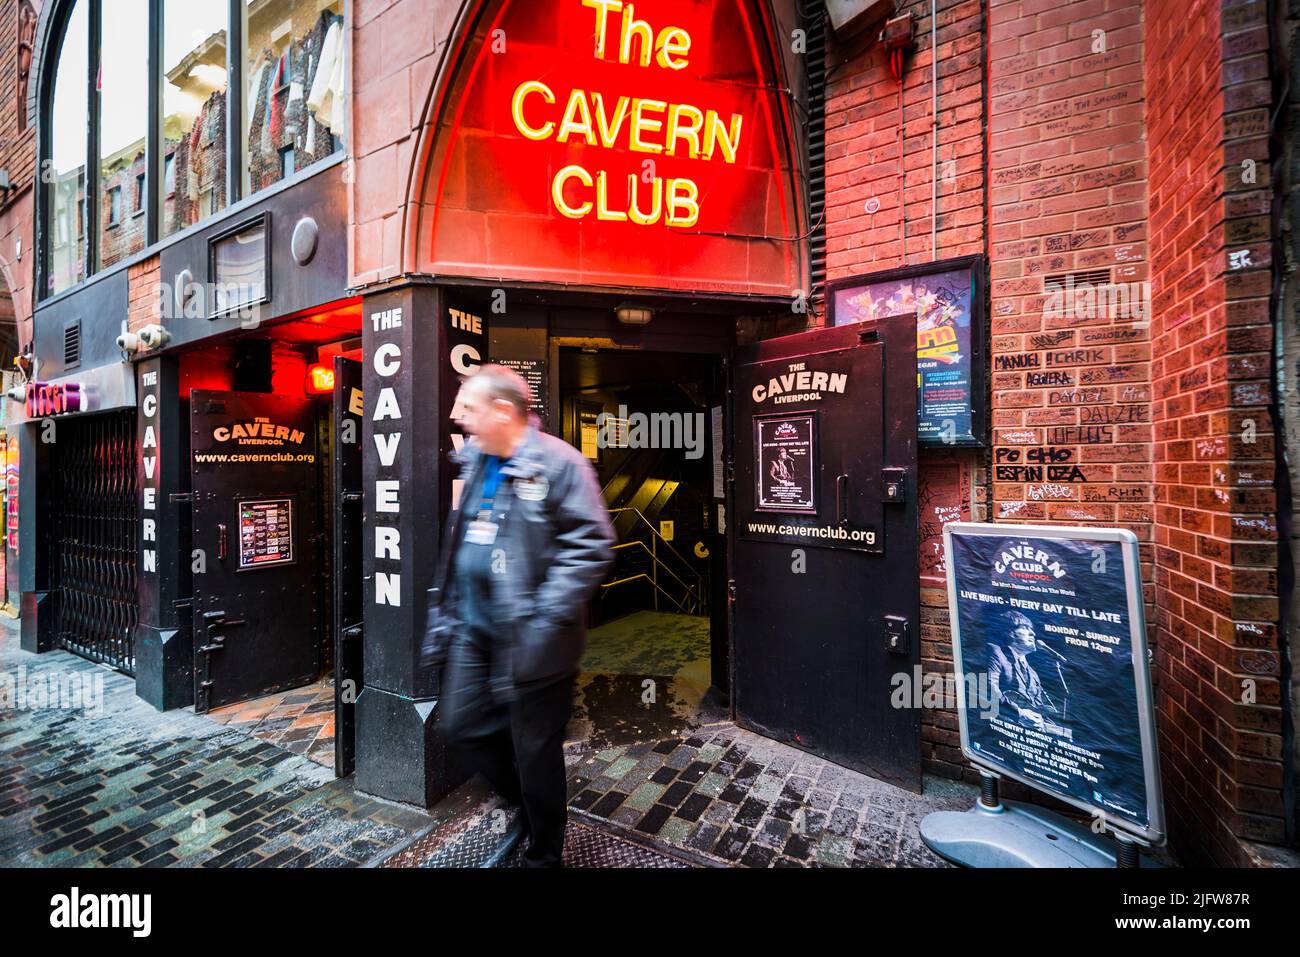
[650,424]
[275,476]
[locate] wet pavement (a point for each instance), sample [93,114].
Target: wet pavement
[476,836]
[660,780]
[737,798]
[124,785]
[300,720]
[645,677]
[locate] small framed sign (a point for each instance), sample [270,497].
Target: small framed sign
[786,468]
[265,533]
[239,262]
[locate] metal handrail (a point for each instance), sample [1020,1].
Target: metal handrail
[655,532]
[655,559]
[694,593]
[686,609]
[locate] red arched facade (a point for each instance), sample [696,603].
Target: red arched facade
[599,143]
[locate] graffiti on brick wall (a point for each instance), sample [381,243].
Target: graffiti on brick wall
[1036,464]
[943,496]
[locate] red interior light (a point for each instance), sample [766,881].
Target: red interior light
[320,378]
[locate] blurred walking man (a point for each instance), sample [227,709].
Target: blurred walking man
[522,554]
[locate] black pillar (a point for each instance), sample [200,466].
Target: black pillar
[164,650]
[404,441]
[35,527]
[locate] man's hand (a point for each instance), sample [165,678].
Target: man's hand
[438,631]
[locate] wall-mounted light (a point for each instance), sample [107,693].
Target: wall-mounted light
[320,379]
[633,315]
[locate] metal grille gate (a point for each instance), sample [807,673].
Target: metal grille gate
[95,537]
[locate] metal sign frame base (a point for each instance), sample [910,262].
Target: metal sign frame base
[1016,835]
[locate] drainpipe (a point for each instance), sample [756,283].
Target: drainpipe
[934,134]
[1282,129]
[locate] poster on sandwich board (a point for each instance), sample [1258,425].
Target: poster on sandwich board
[1052,672]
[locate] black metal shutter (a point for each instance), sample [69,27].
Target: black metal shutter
[96,524]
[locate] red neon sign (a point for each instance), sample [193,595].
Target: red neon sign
[49,398]
[320,379]
[610,143]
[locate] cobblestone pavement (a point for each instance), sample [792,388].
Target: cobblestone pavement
[738,798]
[475,836]
[125,785]
[723,797]
[300,720]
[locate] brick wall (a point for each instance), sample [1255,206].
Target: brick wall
[396,48]
[17,145]
[1067,217]
[1122,394]
[864,144]
[1219,657]
[144,279]
[1289,395]
[18,157]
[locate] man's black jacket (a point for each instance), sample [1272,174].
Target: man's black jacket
[556,546]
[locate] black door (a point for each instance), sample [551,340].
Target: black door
[346,465]
[825,543]
[255,535]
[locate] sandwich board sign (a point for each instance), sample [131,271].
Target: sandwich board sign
[1053,676]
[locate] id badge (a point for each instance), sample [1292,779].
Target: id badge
[479,532]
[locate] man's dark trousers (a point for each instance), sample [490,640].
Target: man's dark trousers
[495,738]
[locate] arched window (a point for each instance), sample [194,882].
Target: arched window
[166,135]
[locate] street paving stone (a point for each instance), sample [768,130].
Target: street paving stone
[127,786]
[123,785]
[754,802]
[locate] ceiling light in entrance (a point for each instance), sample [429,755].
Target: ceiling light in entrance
[631,314]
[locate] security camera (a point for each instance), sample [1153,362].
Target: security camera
[154,336]
[128,342]
[18,393]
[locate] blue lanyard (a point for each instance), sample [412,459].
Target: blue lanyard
[491,481]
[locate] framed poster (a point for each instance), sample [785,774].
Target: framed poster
[947,299]
[1052,674]
[533,371]
[265,533]
[785,472]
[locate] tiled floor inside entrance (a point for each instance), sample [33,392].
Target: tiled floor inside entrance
[644,676]
[300,720]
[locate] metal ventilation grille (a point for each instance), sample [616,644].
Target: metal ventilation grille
[1090,277]
[814,20]
[72,344]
